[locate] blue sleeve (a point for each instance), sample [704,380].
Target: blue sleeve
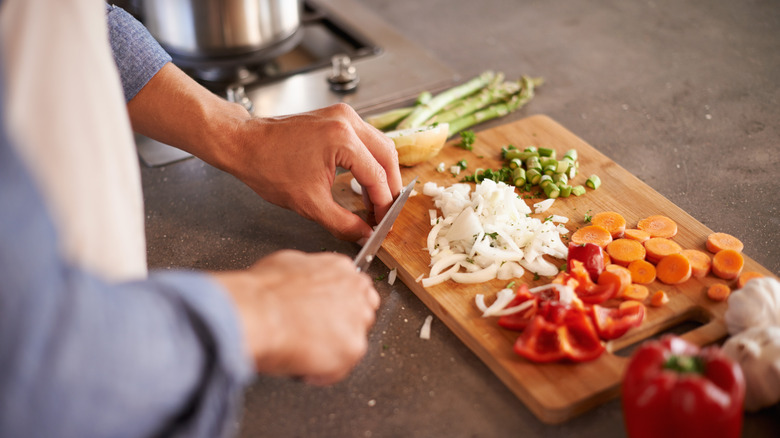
[137,54]
[83,358]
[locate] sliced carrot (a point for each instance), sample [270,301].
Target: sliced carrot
[623,273]
[673,269]
[637,292]
[727,264]
[658,226]
[636,234]
[701,262]
[718,291]
[629,303]
[720,241]
[659,299]
[642,271]
[612,221]
[660,247]
[607,260]
[747,276]
[625,251]
[592,234]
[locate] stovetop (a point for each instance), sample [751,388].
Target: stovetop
[389,68]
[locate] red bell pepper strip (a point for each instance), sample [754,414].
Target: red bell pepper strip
[590,255]
[520,320]
[559,332]
[612,323]
[672,389]
[588,291]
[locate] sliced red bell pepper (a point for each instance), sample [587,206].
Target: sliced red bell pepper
[559,332]
[588,291]
[520,320]
[612,323]
[671,389]
[590,255]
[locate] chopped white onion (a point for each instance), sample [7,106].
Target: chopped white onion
[355,186]
[425,331]
[392,276]
[503,297]
[432,214]
[542,206]
[492,227]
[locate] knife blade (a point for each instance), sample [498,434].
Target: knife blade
[367,253]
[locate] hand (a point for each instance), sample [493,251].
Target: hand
[304,315]
[291,161]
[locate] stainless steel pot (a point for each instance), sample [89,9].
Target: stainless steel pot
[211,29]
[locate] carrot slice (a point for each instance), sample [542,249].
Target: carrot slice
[637,292]
[720,241]
[592,234]
[718,292]
[612,221]
[642,271]
[658,226]
[747,276]
[625,251]
[673,269]
[623,273]
[727,264]
[636,234]
[660,247]
[659,299]
[701,262]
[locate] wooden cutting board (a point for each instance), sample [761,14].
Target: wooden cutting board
[553,392]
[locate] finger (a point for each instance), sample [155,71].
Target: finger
[339,221]
[384,152]
[372,178]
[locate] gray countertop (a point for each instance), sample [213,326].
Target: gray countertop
[685,94]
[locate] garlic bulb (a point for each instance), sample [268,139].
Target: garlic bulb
[755,305]
[757,351]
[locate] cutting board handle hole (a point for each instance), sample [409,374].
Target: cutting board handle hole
[679,330]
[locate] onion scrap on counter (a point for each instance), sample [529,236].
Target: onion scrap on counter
[488,234]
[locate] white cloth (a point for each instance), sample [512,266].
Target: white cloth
[67,116]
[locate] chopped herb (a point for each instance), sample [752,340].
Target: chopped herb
[588,217]
[380,277]
[467,139]
[510,285]
[493,235]
[536,276]
[463,164]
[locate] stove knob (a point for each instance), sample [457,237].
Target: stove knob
[343,77]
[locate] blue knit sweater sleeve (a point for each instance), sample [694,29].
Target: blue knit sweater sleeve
[137,54]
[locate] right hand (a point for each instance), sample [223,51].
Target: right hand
[304,315]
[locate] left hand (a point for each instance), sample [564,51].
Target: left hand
[291,161]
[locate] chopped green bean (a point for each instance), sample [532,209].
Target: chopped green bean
[533,176]
[578,190]
[565,190]
[551,190]
[518,177]
[547,152]
[593,181]
[533,163]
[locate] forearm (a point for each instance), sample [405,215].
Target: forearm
[174,109]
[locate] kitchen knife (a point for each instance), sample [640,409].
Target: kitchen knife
[367,253]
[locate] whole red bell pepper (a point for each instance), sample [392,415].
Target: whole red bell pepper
[671,389]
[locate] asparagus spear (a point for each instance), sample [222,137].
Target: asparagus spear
[424,112]
[486,97]
[499,109]
[388,119]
